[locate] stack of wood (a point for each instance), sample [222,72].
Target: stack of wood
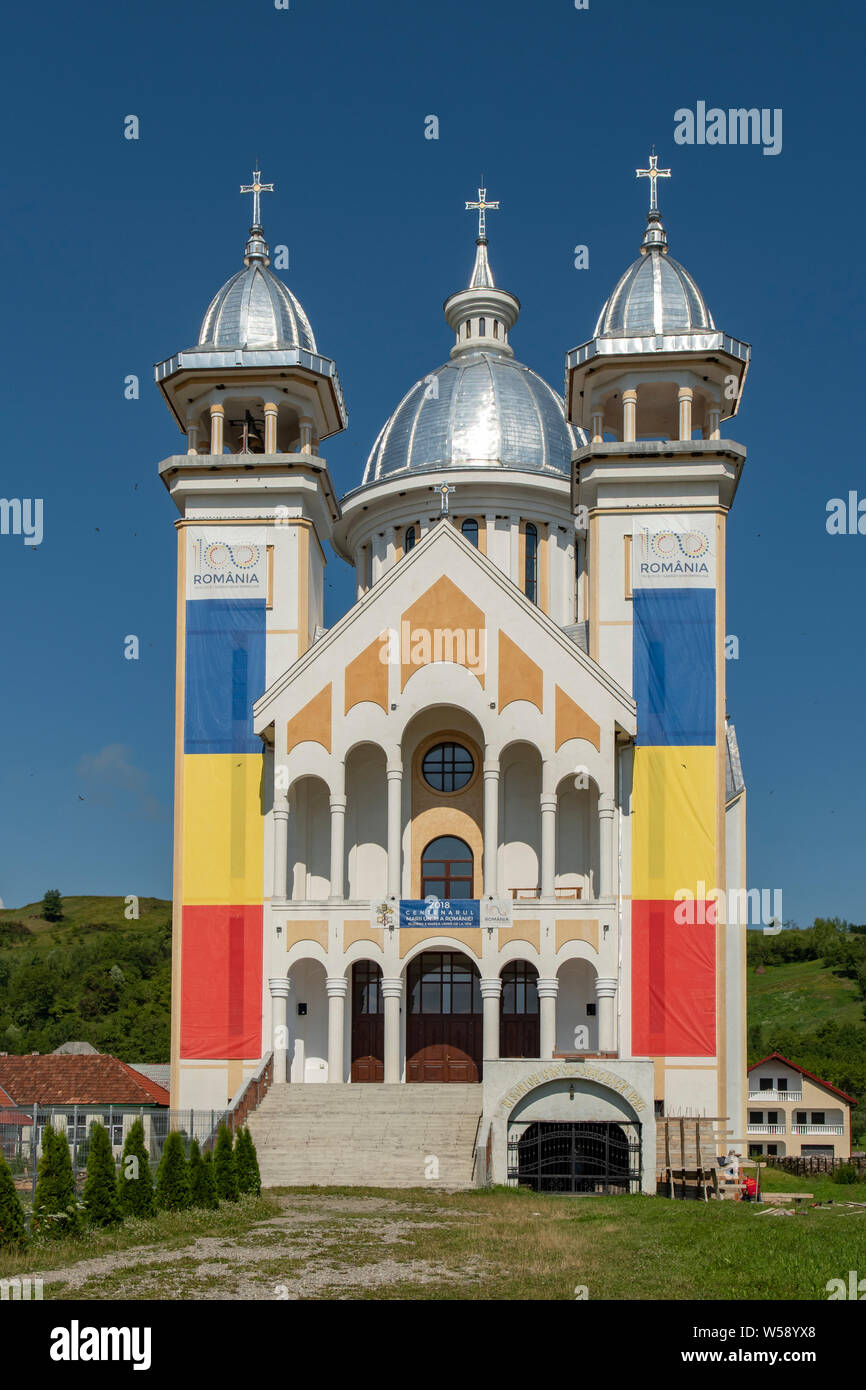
[687,1148]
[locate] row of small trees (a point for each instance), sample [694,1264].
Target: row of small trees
[109,1196]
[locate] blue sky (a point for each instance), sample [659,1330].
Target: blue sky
[113,249]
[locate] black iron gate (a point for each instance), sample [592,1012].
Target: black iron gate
[575,1157]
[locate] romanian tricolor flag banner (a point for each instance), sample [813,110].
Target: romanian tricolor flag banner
[675,794]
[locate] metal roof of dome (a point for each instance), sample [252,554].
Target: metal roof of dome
[655,295]
[481,410]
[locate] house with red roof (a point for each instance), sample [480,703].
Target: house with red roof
[793,1112]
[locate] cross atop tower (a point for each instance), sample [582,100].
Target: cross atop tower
[257,188]
[482,206]
[653,173]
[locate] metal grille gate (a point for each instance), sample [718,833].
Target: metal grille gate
[575,1157]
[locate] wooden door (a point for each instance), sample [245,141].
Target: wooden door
[368,1023]
[519,1031]
[444,1019]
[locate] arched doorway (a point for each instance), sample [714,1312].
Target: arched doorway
[447,866]
[368,1022]
[443,1018]
[519,1034]
[577,1157]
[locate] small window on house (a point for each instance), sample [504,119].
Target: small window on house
[772,1117]
[756,1117]
[800,1118]
[470,530]
[772,1150]
[765,1083]
[781,1083]
[408,539]
[818,1117]
[530,586]
[482,328]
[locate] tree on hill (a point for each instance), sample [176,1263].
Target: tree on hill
[134,1181]
[172,1176]
[13,1231]
[225,1168]
[52,906]
[201,1179]
[100,1187]
[55,1206]
[247,1163]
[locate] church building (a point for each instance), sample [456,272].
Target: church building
[484,837]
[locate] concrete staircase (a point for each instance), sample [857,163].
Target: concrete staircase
[366,1135]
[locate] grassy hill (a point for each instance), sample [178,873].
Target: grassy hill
[94,975]
[801,996]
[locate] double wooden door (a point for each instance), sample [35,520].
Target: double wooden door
[443,1019]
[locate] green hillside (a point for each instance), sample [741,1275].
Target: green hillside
[94,976]
[801,996]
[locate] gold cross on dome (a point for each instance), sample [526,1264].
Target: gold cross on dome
[482,206]
[653,173]
[444,489]
[256,188]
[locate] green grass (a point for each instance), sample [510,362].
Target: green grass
[777,1180]
[801,997]
[87,915]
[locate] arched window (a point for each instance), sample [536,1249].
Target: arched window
[408,539]
[482,327]
[446,868]
[530,587]
[496,328]
[470,530]
[469,328]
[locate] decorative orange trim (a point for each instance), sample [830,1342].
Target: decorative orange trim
[573,722]
[312,724]
[367,676]
[519,677]
[442,616]
[577,930]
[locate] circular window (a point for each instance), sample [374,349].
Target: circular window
[447,767]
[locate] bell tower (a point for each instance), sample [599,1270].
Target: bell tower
[655,485]
[253,399]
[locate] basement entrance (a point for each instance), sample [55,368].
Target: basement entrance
[575,1157]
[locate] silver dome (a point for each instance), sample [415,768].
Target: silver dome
[255,310]
[655,295]
[481,409]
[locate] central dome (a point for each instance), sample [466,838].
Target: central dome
[482,409]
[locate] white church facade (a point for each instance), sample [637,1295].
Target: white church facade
[477,832]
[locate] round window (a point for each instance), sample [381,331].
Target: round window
[447,767]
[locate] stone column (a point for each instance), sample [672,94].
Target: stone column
[305,429]
[394,775]
[217,425]
[392,993]
[338,840]
[605,995]
[377,543]
[491,991]
[491,826]
[606,815]
[514,550]
[548,844]
[684,399]
[490,535]
[281,847]
[270,427]
[337,987]
[714,417]
[598,426]
[281,989]
[629,416]
[360,571]
[390,546]
[192,438]
[547,992]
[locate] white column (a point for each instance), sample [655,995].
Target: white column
[605,994]
[490,536]
[714,416]
[606,815]
[360,571]
[338,837]
[270,427]
[684,399]
[281,847]
[394,774]
[491,826]
[390,546]
[217,423]
[491,991]
[281,989]
[547,992]
[548,844]
[378,545]
[392,993]
[337,987]
[514,550]
[597,426]
[305,427]
[629,416]
[192,438]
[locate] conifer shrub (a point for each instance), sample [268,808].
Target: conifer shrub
[100,1188]
[247,1163]
[56,1212]
[225,1169]
[201,1179]
[13,1230]
[172,1176]
[134,1180]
